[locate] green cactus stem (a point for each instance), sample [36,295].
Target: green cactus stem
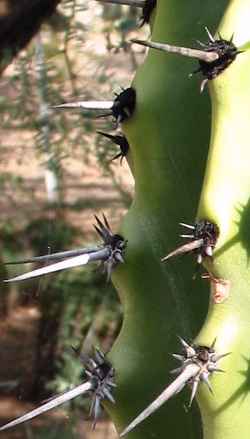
[225,200]
[169,136]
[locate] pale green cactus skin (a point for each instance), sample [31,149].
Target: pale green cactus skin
[169,135]
[225,200]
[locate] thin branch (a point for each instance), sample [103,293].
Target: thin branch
[189,372]
[55,402]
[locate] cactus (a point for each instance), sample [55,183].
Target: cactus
[188,154]
[176,180]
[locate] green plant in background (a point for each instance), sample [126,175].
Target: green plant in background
[91,314]
[178,174]
[37,80]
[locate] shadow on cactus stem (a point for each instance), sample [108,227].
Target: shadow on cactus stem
[242,391]
[243,235]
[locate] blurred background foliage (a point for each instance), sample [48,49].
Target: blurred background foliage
[56,172]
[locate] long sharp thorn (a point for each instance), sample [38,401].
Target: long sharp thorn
[99,356]
[191,53]
[119,120]
[186,248]
[91,409]
[214,343]
[109,268]
[110,383]
[203,84]
[108,395]
[177,370]
[217,369]
[76,261]
[210,36]
[104,231]
[188,348]
[106,222]
[201,43]
[135,3]
[206,381]
[119,258]
[187,236]
[178,357]
[184,343]
[218,357]
[190,371]
[195,385]
[117,156]
[188,226]
[99,231]
[101,255]
[87,105]
[55,402]
[100,224]
[55,256]
[95,411]
[107,135]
